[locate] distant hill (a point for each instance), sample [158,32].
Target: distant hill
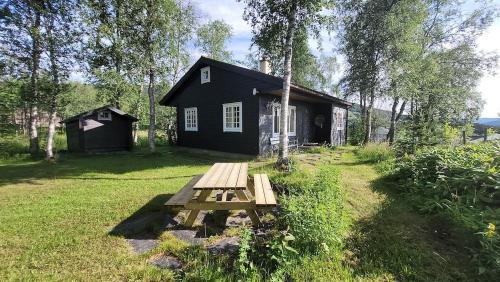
[488,122]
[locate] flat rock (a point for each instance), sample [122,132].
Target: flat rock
[141,246]
[239,220]
[166,262]
[229,245]
[138,224]
[189,236]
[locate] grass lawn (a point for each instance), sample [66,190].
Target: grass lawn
[56,218]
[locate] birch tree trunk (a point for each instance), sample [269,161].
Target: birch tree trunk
[368,118]
[283,161]
[35,61]
[390,134]
[152,115]
[394,119]
[49,154]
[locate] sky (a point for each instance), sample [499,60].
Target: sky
[231,12]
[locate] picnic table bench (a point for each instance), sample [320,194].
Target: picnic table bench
[215,190]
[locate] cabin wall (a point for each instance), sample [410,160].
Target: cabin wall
[73,136]
[309,127]
[339,126]
[104,135]
[305,131]
[224,87]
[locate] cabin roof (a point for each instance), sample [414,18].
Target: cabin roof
[276,81]
[91,112]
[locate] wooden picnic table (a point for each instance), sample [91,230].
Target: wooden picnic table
[214,189]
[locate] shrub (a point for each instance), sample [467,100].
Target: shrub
[375,152]
[315,216]
[462,183]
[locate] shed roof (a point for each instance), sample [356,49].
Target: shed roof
[277,81]
[91,112]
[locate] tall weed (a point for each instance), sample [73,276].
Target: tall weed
[375,153]
[463,183]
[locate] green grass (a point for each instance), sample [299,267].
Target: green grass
[56,217]
[56,220]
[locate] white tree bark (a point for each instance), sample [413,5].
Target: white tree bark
[49,151]
[283,140]
[35,61]
[152,115]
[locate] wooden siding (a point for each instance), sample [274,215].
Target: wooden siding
[73,136]
[224,87]
[93,135]
[307,131]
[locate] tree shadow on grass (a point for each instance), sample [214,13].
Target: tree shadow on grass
[85,166]
[398,243]
[148,222]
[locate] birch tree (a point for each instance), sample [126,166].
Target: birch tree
[150,24]
[279,21]
[212,39]
[107,52]
[21,41]
[60,35]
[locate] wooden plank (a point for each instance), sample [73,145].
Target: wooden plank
[242,177]
[260,198]
[233,177]
[221,205]
[223,177]
[268,190]
[193,214]
[185,194]
[215,176]
[202,182]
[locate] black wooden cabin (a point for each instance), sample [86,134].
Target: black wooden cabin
[103,129]
[229,108]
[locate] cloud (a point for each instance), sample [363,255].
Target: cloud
[230,11]
[489,86]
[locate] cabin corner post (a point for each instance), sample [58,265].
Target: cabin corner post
[346,125]
[332,123]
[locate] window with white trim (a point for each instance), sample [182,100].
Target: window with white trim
[340,120]
[292,121]
[205,75]
[191,119]
[232,117]
[291,118]
[104,115]
[276,120]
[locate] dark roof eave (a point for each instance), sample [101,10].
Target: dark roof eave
[87,113]
[248,72]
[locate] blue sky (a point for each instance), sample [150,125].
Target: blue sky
[231,12]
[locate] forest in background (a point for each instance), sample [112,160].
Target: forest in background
[421,57]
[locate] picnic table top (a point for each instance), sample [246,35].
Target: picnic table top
[224,176]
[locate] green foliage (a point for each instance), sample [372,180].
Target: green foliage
[464,183]
[375,152]
[15,146]
[355,129]
[308,212]
[212,40]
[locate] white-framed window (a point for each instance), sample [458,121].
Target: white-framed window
[205,75]
[291,118]
[340,120]
[104,115]
[276,120]
[191,119]
[232,117]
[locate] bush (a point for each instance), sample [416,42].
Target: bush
[315,215]
[462,183]
[375,152]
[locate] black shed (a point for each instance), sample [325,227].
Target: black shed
[100,130]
